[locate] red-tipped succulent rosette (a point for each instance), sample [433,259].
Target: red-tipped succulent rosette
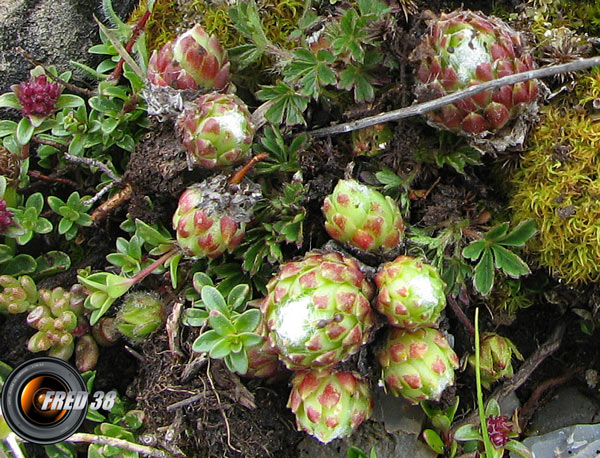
[466,48]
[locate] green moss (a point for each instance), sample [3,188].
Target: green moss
[558,185]
[580,16]
[279,18]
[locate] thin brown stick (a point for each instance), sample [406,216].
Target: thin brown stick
[69,86]
[241,173]
[527,410]
[115,201]
[51,179]
[422,108]
[113,442]
[527,368]
[43,141]
[458,311]
[187,401]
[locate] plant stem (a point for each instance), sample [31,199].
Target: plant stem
[148,270]
[137,30]
[121,443]
[422,108]
[241,173]
[113,202]
[99,194]
[92,163]
[481,407]
[461,315]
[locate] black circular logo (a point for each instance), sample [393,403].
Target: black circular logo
[44,400]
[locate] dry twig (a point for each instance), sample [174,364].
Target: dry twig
[113,442]
[432,105]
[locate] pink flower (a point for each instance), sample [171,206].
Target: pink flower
[499,429]
[6,217]
[37,96]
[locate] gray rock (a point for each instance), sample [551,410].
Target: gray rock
[396,413]
[54,32]
[578,441]
[369,434]
[569,406]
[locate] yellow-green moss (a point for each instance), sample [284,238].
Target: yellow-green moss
[279,18]
[558,185]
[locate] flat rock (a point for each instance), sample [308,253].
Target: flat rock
[54,32]
[569,406]
[396,413]
[369,434]
[577,441]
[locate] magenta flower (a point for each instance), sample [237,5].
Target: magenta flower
[6,217]
[37,97]
[499,429]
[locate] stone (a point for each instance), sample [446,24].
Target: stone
[569,406]
[369,434]
[578,441]
[396,413]
[54,32]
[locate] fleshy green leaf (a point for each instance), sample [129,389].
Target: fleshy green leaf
[510,263]
[483,279]
[220,323]
[69,101]
[213,300]
[237,296]
[473,250]
[239,361]
[51,263]
[467,433]
[518,448]
[520,234]
[205,342]
[496,232]
[492,408]
[19,265]
[221,348]
[9,100]
[434,441]
[24,131]
[248,321]
[200,280]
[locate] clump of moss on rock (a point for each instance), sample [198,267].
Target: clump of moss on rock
[558,185]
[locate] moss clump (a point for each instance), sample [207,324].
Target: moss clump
[558,185]
[170,17]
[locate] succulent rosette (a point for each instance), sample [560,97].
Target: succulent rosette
[466,48]
[411,293]
[18,295]
[140,315]
[58,318]
[363,217]
[418,365]
[317,310]
[263,359]
[328,404]
[495,358]
[211,216]
[216,130]
[193,60]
